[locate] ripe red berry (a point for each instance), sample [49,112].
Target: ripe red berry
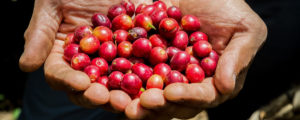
[171,51]
[129,6]
[139,8]
[179,61]
[136,33]
[144,21]
[168,27]
[82,31]
[69,39]
[103,34]
[103,80]
[158,55]
[99,19]
[190,23]
[101,64]
[173,77]
[175,13]
[108,51]
[121,64]
[89,44]
[148,10]
[158,41]
[120,36]
[122,21]
[157,16]
[189,50]
[162,69]
[194,73]
[134,60]
[141,47]
[197,36]
[180,40]
[93,72]
[142,70]
[160,5]
[79,61]
[125,49]
[115,10]
[209,66]
[202,48]
[214,55]
[70,50]
[155,81]
[194,60]
[134,96]
[131,83]
[115,79]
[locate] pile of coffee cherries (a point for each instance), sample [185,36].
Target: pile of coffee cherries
[151,46]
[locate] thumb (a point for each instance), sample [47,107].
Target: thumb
[40,34]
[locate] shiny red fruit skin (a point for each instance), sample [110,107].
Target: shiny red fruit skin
[142,70]
[125,49]
[162,69]
[202,48]
[108,51]
[100,19]
[121,64]
[179,61]
[190,23]
[69,39]
[189,50]
[141,47]
[131,83]
[175,13]
[194,73]
[209,66]
[82,31]
[134,96]
[101,64]
[157,16]
[129,6]
[158,41]
[171,51]
[134,60]
[138,10]
[197,36]
[174,77]
[89,44]
[155,81]
[93,72]
[122,21]
[158,55]
[160,5]
[148,10]
[194,60]
[115,79]
[120,36]
[168,27]
[70,50]
[214,55]
[79,61]
[103,34]
[180,40]
[144,21]
[103,80]
[115,10]
[136,33]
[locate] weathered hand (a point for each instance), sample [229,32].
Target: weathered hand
[236,33]
[51,21]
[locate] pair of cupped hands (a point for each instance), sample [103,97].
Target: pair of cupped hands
[235,31]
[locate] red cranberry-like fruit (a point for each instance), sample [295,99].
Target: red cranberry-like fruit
[162,69]
[82,31]
[103,80]
[160,5]
[171,51]
[115,79]
[197,36]
[202,48]
[144,21]
[121,64]
[190,23]
[108,51]
[136,33]
[148,10]
[194,73]
[142,70]
[115,10]
[173,77]
[129,6]
[89,44]
[131,83]
[158,41]
[180,40]
[138,94]
[194,60]
[134,60]
[141,47]
[138,10]
[168,27]
[99,19]
[79,61]
[70,51]
[180,60]
[101,64]
[155,81]
[69,39]
[214,55]
[174,12]
[209,66]
[122,21]
[125,49]
[120,36]
[158,55]
[103,33]
[157,16]
[93,72]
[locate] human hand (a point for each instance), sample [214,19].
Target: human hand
[236,33]
[51,21]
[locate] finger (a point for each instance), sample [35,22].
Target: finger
[58,73]
[119,100]
[153,99]
[135,111]
[97,94]
[201,95]
[78,99]
[40,35]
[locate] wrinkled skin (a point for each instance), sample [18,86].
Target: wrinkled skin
[236,33]
[234,30]
[50,22]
